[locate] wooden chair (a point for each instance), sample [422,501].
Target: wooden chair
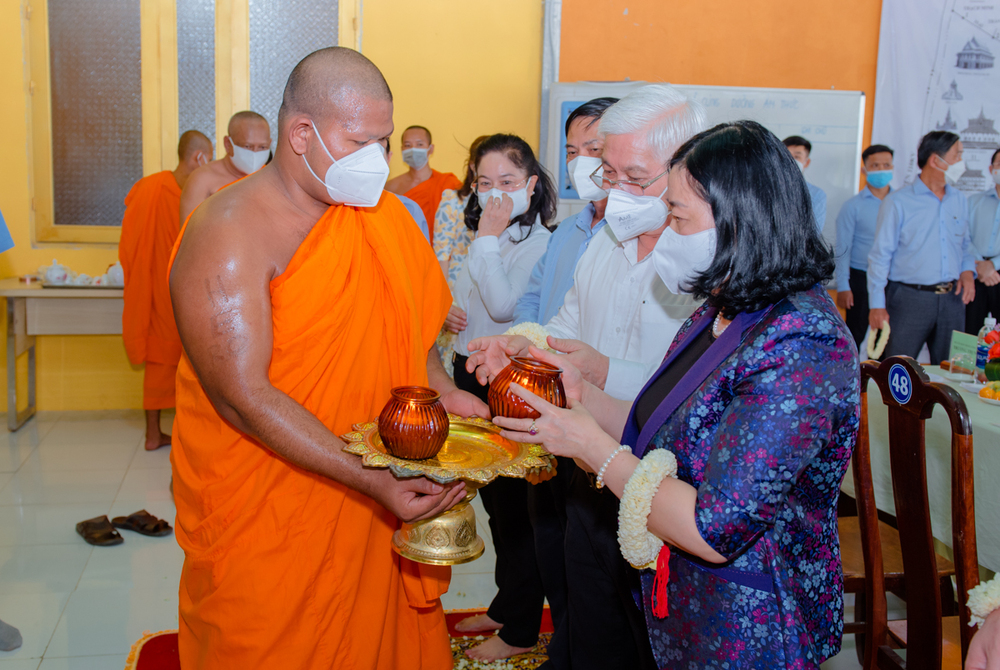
[931,639]
[866,529]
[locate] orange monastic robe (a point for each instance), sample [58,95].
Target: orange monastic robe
[284,568]
[427,194]
[149,230]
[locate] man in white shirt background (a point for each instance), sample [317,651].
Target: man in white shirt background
[984,222]
[618,289]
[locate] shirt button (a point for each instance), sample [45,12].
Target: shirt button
[618,330]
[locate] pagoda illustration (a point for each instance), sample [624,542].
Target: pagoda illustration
[948,124]
[951,96]
[981,134]
[974,56]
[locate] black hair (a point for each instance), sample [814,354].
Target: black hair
[798,141]
[470,167]
[935,142]
[767,243]
[993,158]
[876,149]
[543,199]
[592,109]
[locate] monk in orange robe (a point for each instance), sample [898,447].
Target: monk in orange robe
[298,314]
[420,183]
[149,230]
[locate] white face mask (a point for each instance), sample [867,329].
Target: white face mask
[357,179]
[996,176]
[520,198]
[416,158]
[678,258]
[954,171]
[580,169]
[247,161]
[802,166]
[632,215]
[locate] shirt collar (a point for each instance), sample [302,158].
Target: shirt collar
[583,218]
[992,193]
[867,192]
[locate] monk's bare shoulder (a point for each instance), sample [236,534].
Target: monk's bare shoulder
[239,225]
[398,185]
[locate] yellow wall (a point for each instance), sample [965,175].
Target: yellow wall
[460,68]
[477,72]
[73,372]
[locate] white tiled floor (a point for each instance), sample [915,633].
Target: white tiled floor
[80,607]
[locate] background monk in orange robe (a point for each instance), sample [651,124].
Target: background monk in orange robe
[420,183]
[248,146]
[149,230]
[298,314]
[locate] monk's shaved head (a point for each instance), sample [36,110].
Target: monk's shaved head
[192,142]
[332,81]
[421,129]
[241,120]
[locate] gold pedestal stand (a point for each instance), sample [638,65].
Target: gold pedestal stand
[474,453]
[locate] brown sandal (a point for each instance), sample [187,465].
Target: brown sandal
[99,532]
[144,523]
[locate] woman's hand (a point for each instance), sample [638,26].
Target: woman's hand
[496,216]
[572,378]
[984,650]
[492,354]
[571,432]
[457,320]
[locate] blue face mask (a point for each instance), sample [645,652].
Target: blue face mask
[880,178]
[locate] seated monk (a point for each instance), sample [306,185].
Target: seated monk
[303,295]
[420,183]
[248,147]
[149,230]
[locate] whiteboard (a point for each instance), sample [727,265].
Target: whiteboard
[833,121]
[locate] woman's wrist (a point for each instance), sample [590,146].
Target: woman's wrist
[597,452]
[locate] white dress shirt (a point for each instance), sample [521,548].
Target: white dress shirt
[619,306]
[494,277]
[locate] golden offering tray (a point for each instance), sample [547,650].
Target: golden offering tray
[474,453]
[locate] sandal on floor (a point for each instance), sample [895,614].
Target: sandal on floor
[99,532]
[144,523]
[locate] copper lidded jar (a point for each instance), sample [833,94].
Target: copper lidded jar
[540,378]
[414,423]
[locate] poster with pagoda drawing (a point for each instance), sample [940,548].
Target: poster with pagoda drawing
[954,85]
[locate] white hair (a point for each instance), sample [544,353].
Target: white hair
[666,116]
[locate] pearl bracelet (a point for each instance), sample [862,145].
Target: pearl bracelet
[638,545]
[604,468]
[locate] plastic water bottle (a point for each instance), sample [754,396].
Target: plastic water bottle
[983,347]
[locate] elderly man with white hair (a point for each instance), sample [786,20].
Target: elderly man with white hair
[615,326]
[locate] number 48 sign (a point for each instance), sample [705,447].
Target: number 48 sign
[899,384]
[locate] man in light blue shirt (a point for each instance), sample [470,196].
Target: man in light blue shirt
[552,276]
[801,148]
[921,269]
[984,219]
[855,235]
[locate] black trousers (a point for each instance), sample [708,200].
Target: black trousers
[857,316]
[547,510]
[521,596]
[987,301]
[918,317]
[607,630]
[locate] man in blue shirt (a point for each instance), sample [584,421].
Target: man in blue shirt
[550,280]
[855,235]
[412,207]
[984,220]
[800,148]
[921,269]
[553,274]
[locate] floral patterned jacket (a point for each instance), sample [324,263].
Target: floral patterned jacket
[763,425]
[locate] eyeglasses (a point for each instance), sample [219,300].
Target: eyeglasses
[597,176]
[507,185]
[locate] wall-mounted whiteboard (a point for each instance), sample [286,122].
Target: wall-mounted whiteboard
[832,120]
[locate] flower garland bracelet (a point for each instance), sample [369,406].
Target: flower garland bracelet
[638,545]
[983,600]
[532,331]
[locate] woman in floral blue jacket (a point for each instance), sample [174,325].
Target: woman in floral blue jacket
[758,400]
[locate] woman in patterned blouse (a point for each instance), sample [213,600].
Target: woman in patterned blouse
[758,399]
